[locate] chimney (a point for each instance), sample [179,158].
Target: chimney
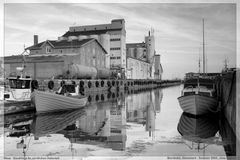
[35,37]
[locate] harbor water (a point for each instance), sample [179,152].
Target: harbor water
[149,123]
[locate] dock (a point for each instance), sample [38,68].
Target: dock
[96,90]
[229,102]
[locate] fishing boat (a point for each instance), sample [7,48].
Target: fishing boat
[198,96]
[66,98]
[199,93]
[16,91]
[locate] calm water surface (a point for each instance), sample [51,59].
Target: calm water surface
[149,123]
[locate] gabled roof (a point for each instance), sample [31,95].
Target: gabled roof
[89,32]
[77,33]
[136,45]
[61,44]
[65,44]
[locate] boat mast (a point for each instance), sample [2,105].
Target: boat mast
[203,48]
[199,62]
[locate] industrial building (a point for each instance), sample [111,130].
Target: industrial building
[142,62]
[111,36]
[84,50]
[158,67]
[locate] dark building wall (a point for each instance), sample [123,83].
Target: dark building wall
[37,68]
[45,67]
[90,55]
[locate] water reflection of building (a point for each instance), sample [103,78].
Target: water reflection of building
[136,107]
[150,119]
[142,108]
[117,138]
[158,99]
[103,122]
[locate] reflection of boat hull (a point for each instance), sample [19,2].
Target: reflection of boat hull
[48,102]
[53,122]
[202,127]
[15,107]
[198,104]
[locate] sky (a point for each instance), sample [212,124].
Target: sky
[177,29]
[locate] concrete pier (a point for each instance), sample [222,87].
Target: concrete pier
[238,114]
[229,88]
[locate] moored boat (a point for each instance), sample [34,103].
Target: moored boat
[65,98]
[18,89]
[199,93]
[16,92]
[198,96]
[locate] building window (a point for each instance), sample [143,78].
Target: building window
[115,57]
[115,39]
[48,49]
[114,48]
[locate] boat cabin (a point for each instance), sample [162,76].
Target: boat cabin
[18,89]
[19,83]
[201,86]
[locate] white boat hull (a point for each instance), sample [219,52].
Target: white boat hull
[198,104]
[49,102]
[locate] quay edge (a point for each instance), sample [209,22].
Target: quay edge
[229,87]
[97,90]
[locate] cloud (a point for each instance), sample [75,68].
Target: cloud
[178,27]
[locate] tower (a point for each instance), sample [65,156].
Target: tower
[150,46]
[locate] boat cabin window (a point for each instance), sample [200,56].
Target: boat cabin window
[202,82]
[189,93]
[19,84]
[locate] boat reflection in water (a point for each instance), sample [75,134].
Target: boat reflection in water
[199,131]
[103,124]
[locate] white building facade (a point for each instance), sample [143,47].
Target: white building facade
[137,69]
[142,61]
